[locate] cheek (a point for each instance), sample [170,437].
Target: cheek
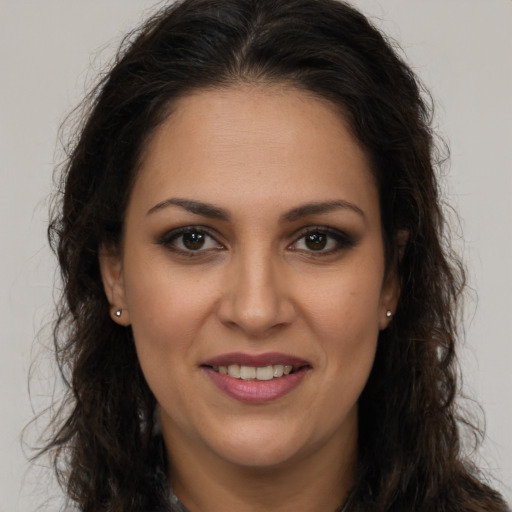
[343,311]
[167,312]
[167,307]
[345,301]
[348,337]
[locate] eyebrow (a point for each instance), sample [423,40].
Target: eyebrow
[319,208]
[197,207]
[215,212]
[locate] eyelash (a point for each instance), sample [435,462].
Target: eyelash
[342,241]
[169,239]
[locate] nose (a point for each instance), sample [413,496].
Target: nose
[255,298]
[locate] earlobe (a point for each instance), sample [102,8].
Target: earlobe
[389,300]
[111,268]
[391,289]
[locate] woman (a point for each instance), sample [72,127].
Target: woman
[259,308]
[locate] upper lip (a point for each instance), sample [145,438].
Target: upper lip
[256,360]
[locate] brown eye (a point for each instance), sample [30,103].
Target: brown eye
[316,241]
[193,240]
[190,240]
[323,241]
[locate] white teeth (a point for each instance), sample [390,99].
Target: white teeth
[234,371]
[247,372]
[252,373]
[265,373]
[278,370]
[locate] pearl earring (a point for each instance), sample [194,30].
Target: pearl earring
[118,313]
[389,314]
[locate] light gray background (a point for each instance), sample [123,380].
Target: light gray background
[50,48]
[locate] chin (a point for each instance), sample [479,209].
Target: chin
[258,457]
[260,446]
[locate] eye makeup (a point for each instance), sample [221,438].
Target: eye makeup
[314,241]
[322,241]
[190,241]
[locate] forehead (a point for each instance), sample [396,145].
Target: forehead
[258,143]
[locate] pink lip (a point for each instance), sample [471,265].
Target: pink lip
[256,391]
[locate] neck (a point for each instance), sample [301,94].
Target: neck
[318,481]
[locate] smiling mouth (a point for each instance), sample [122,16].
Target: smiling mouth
[256,378]
[265,373]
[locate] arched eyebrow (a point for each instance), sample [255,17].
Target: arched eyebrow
[319,208]
[197,207]
[216,212]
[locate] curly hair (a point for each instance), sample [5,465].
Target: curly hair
[410,451]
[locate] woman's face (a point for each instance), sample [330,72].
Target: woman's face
[253,247]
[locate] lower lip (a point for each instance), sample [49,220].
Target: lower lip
[256,391]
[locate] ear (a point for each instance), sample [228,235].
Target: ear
[391,287]
[111,267]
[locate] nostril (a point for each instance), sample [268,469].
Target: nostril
[255,306]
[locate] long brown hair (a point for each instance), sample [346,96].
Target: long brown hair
[105,451]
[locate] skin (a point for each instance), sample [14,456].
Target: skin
[254,287]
